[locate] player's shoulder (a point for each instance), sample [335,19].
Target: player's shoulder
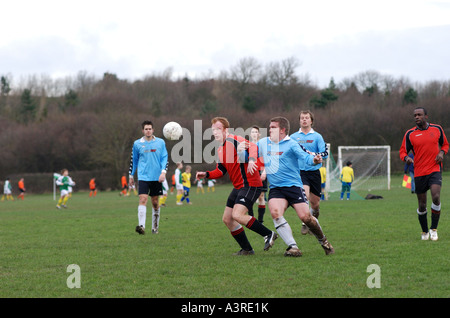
[436,126]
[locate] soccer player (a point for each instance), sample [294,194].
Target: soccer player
[255,135]
[347,177]
[186,177]
[200,185]
[7,191]
[313,143]
[124,183]
[92,188]
[150,159]
[429,144]
[281,155]
[22,189]
[243,171]
[212,185]
[323,180]
[163,198]
[179,182]
[64,182]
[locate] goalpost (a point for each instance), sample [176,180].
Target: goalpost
[371,165]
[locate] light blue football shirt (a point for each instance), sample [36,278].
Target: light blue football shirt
[281,161]
[313,142]
[149,158]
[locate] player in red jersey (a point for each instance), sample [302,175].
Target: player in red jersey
[429,144]
[242,167]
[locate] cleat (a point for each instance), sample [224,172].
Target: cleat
[244,252]
[425,236]
[269,240]
[293,251]
[64,206]
[140,230]
[58,207]
[433,235]
[305,229]
[327,247]
[155,231]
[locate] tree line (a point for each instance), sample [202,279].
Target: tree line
[88,123]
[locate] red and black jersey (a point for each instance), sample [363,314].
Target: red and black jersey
[229,161]
[425,145]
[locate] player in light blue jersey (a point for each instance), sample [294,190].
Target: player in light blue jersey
[313,143]
[150,159]
[281,156]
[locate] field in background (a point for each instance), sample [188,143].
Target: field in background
[191,257]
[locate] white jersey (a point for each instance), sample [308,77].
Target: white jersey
[7,187]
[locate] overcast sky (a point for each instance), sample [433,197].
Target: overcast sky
[134,38]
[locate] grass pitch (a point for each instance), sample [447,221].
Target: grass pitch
[191,256]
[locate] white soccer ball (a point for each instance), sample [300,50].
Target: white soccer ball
[172,130]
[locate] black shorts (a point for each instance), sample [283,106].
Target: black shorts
[293,195]
[246,196]
[313,180]
[423,183]
[151,188]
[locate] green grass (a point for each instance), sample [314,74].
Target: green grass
[191,256]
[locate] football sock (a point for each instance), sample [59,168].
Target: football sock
[162,200]
[284,230]
[65,200]
[240,237]
[142,213]
[155,218]
[60,201]
[315,228]
[435,214]
[179,196]
[423,220]
[261,211]
[257,227]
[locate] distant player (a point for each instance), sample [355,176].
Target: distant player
[179,183]
[64,181]
[22,189]
[92,188]
[7,191]
[186,177]
[150,159]
[211,185]
[323,182]
[347,177]
[163,197]
[429,144]
[200,186]
[124,184]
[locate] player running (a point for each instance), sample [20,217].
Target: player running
[281,156]
[64,182]
[243,171]
[429,144]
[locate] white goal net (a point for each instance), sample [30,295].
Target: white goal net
[371,166]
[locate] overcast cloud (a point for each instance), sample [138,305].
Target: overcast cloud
[134,38]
